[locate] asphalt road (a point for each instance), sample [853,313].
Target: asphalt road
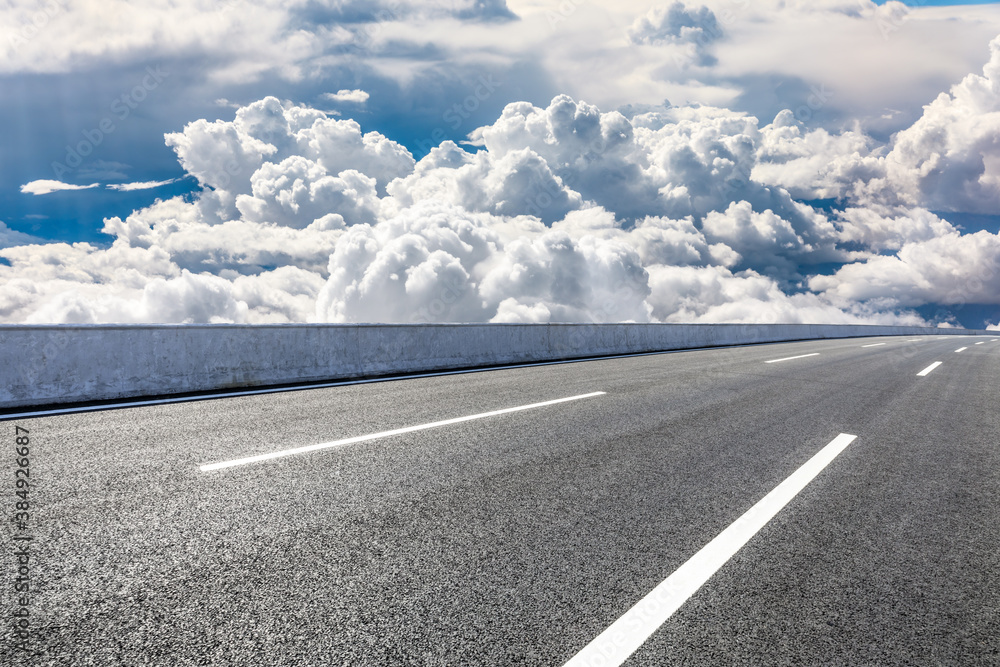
[519,538]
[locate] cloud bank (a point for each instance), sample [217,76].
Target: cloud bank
[563,212]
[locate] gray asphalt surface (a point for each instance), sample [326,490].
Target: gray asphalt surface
[517,539]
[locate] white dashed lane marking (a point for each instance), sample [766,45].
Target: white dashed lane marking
[613,646]
[930,369]
[385,434]
[801,356]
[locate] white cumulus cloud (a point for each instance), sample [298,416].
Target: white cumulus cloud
[354,96]
[950,158]
[561,212]
[676,24]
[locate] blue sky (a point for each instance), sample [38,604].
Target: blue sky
[940,3]
[91,90]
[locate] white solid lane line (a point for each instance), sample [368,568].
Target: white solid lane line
[961,349]
[801,356]
[385,434]
[930,369]
[874,345]
[613,646]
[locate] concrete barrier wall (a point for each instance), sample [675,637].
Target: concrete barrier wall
[43,365]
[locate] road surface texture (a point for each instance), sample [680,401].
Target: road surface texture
[521,537]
